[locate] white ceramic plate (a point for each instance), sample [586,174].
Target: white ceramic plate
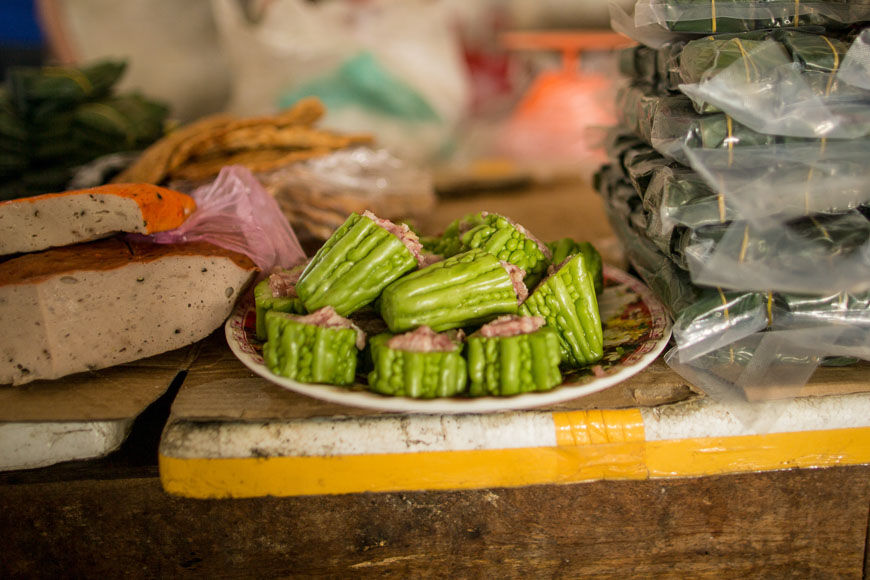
[636,330]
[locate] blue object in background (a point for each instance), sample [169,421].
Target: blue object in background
[21,40]
[19,25]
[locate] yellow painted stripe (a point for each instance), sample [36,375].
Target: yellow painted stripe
[718,455]
[567,463]
[287,476]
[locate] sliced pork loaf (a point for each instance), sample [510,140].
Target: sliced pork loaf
[59,219]
[108,302]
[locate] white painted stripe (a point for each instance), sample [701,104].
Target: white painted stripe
[429,433]
[705,418]
[30,445]
[358,435]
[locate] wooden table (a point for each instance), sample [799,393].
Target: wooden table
[644,499]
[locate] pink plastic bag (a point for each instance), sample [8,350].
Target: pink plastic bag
[237,214]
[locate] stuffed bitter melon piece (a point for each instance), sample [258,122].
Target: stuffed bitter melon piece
[566,300]
[421,364]
[566,247]
[356,263]
[513,355]
[317,348]
[509,242]
[449,243]
[277,292]
[468,289]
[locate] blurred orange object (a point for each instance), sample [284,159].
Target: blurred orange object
[556,118]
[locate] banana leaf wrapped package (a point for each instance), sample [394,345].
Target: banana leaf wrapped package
[781,182]
[357,262]
[640,165]
[38,93]
[675,126]
[704,318]
[639,63]
[816,254]
[778,182]
[636,107]
[670,124]
[55,119]
[669,283]
[419,364]
[733,16]
[704,58]
[120,123]
[513,355]
[467,289]
[677,197]
[321,347]
[790,85]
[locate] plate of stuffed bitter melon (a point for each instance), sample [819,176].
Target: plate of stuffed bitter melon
[483,318]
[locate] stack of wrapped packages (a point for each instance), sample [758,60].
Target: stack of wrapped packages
[53,120]
[739,183]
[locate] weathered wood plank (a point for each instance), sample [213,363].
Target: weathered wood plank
[120,392]
[796,524]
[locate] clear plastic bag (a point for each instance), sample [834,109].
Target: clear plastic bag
[817,254]
[670,124]
[749,376]
[724,16]
[773,184]
[676,127]
[754,375]
[671,286]
[855,70]
[784,99]
[708,318]
[317,195]
[681,197]
[236,213]
[652,35]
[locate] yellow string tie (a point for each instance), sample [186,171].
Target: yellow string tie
[770,309]
[746,60]
[836,66]
[713,13]
[822,229]
[729,124]
[745,246]
[724,303]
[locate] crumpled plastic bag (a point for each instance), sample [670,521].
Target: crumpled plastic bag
[236,213]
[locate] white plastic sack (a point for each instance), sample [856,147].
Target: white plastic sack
[390,68]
